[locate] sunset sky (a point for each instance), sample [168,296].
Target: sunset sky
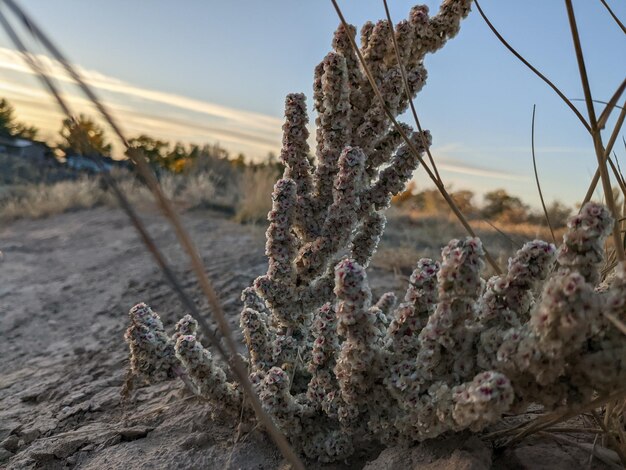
[217,72]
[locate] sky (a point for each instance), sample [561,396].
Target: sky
[217,72]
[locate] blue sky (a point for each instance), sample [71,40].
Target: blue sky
[215,71]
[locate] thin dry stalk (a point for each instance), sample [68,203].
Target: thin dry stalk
[618,176]
[558,416]
[593,448]
[407,91]
[607,152]
[532,147]
[138,158]
[505,235]
[619,23]
[604,424]
[595,131]
[566,429]
[408,142]
[611,105]
[620,325]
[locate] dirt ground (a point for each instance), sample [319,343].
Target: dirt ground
[66,284]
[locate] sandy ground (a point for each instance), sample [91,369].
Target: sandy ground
[66,285]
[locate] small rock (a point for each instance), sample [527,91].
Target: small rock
[134,433]
[539,456]
[196,441]
[5,455]
[67,447]
[41,455]
[33,394]
[68,411]
[105,399]
[7,428]
[455,453]
[73,398]
[30,435]
[11,443]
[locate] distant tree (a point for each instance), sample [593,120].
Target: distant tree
[558,214]
[431,201]
[502,206]
[9,127]
[177,158]
[463,199]
[211,158]
[153,149]
[26,132]
[84,137]
[239,162]
[7,118]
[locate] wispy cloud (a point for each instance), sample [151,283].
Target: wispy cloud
[171,116]
[444,157]
[180,118]
[459,148]
[465,169]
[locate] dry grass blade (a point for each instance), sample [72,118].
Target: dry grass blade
[232,358]
[607,152]
[604,116]
[408,142]
[608,436]
[566,429]
[407,91]
[560,416]
[595,131]
[618,176]
[593,447]
[505,235]
[609,263]
[531,67]
[620,325]
[597,102]
[614,16]
[543,202]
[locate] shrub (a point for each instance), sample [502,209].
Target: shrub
[334,367]
[43,200]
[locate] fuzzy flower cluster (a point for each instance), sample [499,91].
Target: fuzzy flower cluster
[152,355]
[582,246]
[334,367]
[456,354]
[155,357]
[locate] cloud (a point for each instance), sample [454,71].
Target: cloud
[465,169]
[171,116]
[458,148]
[180,118]
[444,158]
